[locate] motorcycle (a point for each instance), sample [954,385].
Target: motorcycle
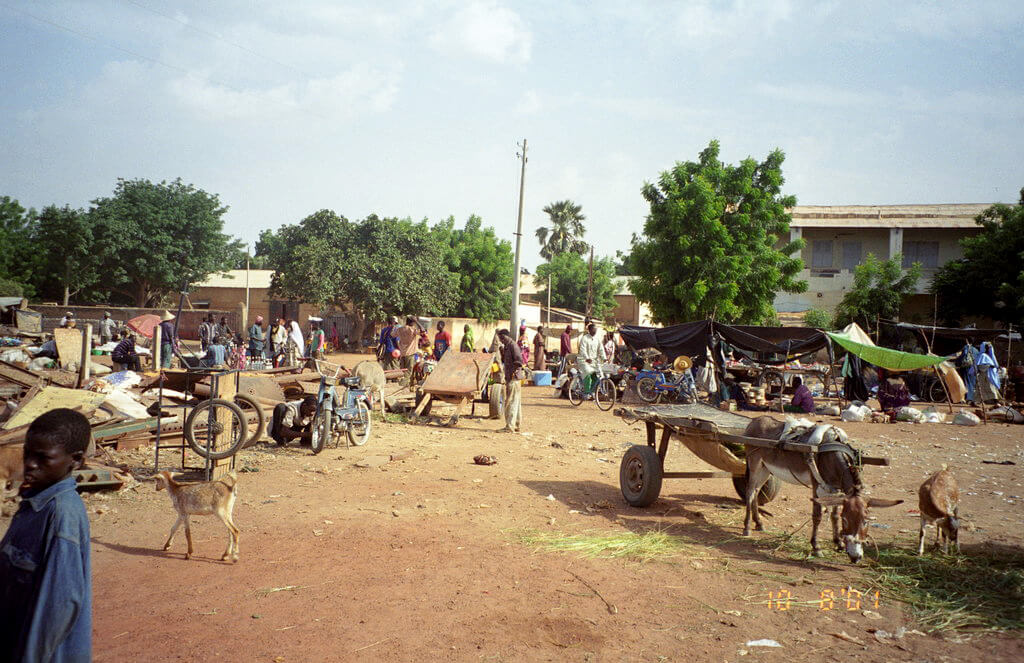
[653,386]
[347,414]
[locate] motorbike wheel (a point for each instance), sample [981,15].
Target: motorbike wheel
[645,389]
[576,390]
[604,395]
[321,430]
[207,414]
[359,428]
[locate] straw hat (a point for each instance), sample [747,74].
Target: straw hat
[167,316]
[682,363]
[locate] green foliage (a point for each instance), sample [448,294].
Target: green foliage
[566,231]
[624,264]
[17,258]
[9,288]
[376,266]
[989,279]
[70,258]
[482,265]
[817,318]
[569,283]
[709,242]
[151,237]
[879,287]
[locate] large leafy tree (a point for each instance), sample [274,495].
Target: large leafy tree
[372,268]
[879,287]
[710,242]
[152,237]
[566,231]
[569,275]
[69,258]
[18,255]
[989,279]
[483,266]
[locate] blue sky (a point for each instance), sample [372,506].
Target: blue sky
[414,108]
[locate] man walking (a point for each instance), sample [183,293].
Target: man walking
[387,345]
[590,356]
[512,363]
[107,329]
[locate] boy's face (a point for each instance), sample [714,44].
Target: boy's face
[47,463]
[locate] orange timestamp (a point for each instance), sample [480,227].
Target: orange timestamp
[828,599]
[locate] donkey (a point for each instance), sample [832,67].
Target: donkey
[831,475]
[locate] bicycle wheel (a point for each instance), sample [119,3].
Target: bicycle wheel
[936,392]
[604,395]
[250,407]
[576,390]
[321,430]
[359,428]
[217,416]
[645,389]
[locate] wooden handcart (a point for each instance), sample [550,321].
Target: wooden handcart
[456,379]
[713,435]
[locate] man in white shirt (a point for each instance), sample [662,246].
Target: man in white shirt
[591,355]
[107,328]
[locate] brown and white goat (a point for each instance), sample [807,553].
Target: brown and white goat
[202,499]
[939,503]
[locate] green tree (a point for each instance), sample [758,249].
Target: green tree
[151,237]
[371,268]
[817,318]
[18,258]
[69,261]
[569,274]
[623,264]
[879,287]
[709,242]
[566,231]
[989,279]
[482,264]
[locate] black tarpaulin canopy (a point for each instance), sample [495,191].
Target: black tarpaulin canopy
[694,338]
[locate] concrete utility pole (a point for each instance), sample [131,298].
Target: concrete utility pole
[549,302]
[590,284]
[514,317]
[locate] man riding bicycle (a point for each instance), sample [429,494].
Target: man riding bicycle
[590,356]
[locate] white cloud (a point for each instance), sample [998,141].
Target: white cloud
[486,30]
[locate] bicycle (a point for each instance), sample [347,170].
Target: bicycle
[654,386]
[604,392]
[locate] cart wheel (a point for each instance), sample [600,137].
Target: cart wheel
[640,475]
[495,398]
[249,406]
[767,493]
[206,413]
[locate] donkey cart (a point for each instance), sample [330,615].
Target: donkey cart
[713,435]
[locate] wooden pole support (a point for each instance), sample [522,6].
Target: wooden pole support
[156,348]
[86,362]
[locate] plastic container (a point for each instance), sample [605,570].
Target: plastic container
[542,378]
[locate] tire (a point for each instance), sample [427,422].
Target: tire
[321,431]
[768,491]
[576,391]
[495,400]
[359,433]
[640,475]
[200,416]
[936,394]
[646,391]
[247,404]
[604,395]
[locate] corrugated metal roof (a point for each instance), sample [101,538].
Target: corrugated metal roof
[235,278]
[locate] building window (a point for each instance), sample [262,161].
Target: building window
[851,255]
[821,254]
[926,253]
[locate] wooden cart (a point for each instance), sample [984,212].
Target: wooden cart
[714,436]
[457,379]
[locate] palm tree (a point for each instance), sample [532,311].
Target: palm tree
[565,232]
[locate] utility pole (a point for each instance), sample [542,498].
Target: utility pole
[514,317]
[549,303]
[590,284]
[245,321]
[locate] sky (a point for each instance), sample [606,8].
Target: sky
[415,109]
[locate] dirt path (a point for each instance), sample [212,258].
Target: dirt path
[425,558]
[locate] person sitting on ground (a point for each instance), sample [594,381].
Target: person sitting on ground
[125,355]
[45,574]
[892,392]
[802,401]
[293,420]
[216,352]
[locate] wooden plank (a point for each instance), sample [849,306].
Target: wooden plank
[69,345]
[20,376]
[226,391]
[874,460]
[51,398]
[697,475]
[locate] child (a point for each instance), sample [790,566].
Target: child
[45,579]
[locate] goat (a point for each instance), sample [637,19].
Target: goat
[202,499]
[11,469]
[939,503]
[371,376]
[834,473]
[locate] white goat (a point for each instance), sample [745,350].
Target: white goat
[202,499]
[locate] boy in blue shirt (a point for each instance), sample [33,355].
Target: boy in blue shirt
[45,579]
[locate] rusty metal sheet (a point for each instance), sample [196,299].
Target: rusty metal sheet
[459,373]
[262,387]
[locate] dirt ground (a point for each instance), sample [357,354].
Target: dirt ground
[424,558]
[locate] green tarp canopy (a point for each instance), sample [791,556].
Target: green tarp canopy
[893,360]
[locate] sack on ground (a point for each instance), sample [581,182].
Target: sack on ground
[909,414]
[966,419]
[856,413]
